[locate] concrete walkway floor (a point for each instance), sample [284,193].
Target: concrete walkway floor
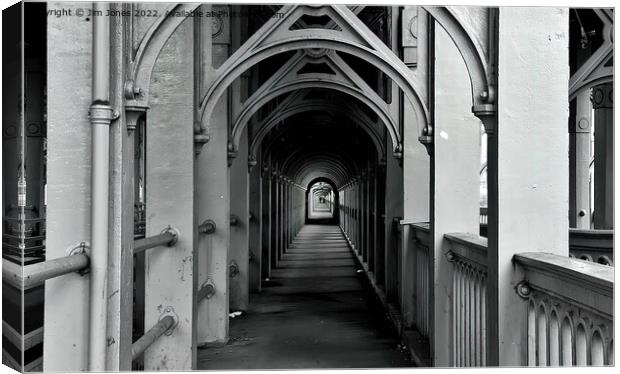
[313,313]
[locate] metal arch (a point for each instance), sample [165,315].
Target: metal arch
[594,72]
[313,156]
[483,92]
[308,172]
[309,83]
[281,114]
[340,164]
[283,166]
[323,171]
[137,88]
[359,41]
[286,79]
[318,166]
[317,160]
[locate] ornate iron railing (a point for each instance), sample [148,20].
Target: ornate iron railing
[570,310]
[468,254]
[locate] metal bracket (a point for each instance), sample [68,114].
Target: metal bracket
[169,311]
[175,234]
[79,249]
[200,139]
[133,113]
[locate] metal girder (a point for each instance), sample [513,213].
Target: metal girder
[296,103]
[288,78]
[137,86]
[473,53]
[594,72]
[275,37]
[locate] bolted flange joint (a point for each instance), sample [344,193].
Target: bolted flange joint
[207,227]
[101,113]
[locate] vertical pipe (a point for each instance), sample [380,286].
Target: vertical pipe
[101,117]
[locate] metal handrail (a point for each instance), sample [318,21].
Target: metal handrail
[145,341]
[168,237]
[35,274]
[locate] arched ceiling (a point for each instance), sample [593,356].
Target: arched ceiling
[312,145]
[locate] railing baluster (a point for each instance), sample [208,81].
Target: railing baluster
[454,318]
[468,256]
[541,335]
[476,321]
[567,342]
[462,315]
[483,322]
[581,353]
[554,340]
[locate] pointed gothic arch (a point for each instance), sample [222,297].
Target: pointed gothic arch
[295,104]
[288,78]
[474,54]
[354,38]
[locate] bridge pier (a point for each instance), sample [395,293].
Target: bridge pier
[527,169]
[170,284]
[455,183]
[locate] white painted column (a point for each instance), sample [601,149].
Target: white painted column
[274,217]
[169,274]
[455,184]
[267,221]
[372,221]
[528,165]
[393,210]
[239,233]
[256,227]
[381,229]
[69,75]
[212,189]
[122,194]
[416,180]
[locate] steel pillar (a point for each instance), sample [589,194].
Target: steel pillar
[454,182]
[526,171]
